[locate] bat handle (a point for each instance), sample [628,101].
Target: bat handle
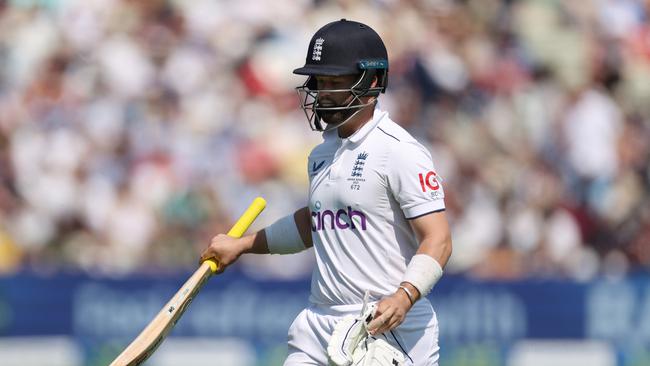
[242,224]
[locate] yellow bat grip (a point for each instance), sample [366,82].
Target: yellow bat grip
[240,227]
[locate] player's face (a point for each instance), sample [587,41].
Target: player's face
[334,99]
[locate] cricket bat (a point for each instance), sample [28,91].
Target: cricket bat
[153,334]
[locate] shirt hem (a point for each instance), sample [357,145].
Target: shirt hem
[423,209]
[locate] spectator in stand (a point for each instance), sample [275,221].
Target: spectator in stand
[152,119]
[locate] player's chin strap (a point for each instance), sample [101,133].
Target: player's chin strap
[350,343]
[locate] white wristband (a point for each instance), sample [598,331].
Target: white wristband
[282,237]
[423,272]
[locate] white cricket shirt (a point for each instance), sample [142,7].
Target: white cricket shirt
[363,190]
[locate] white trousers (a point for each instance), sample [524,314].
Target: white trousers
[416,337]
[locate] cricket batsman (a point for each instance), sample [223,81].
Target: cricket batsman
[375,217]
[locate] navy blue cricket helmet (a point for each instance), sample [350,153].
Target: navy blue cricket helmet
[342,48]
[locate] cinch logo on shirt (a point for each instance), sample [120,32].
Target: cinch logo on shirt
[322,220]
[429,181]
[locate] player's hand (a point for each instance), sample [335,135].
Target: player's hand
[390,313]
[224,250]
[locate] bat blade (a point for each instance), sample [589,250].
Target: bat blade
[155,332]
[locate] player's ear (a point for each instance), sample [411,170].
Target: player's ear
[375,81]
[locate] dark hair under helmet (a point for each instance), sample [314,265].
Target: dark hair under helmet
[343,48]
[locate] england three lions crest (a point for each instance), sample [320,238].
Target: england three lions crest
[318,49]
[356,176]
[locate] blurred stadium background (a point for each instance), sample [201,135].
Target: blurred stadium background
[133,131]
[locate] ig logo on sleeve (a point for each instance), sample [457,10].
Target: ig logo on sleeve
[429,183]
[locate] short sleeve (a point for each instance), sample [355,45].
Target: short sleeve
[413,180]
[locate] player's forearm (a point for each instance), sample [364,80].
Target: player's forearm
[255,243]
[303,222]
[426,267]
[258,242]
[438,246]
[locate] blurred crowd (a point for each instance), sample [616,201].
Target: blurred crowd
[132,131]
